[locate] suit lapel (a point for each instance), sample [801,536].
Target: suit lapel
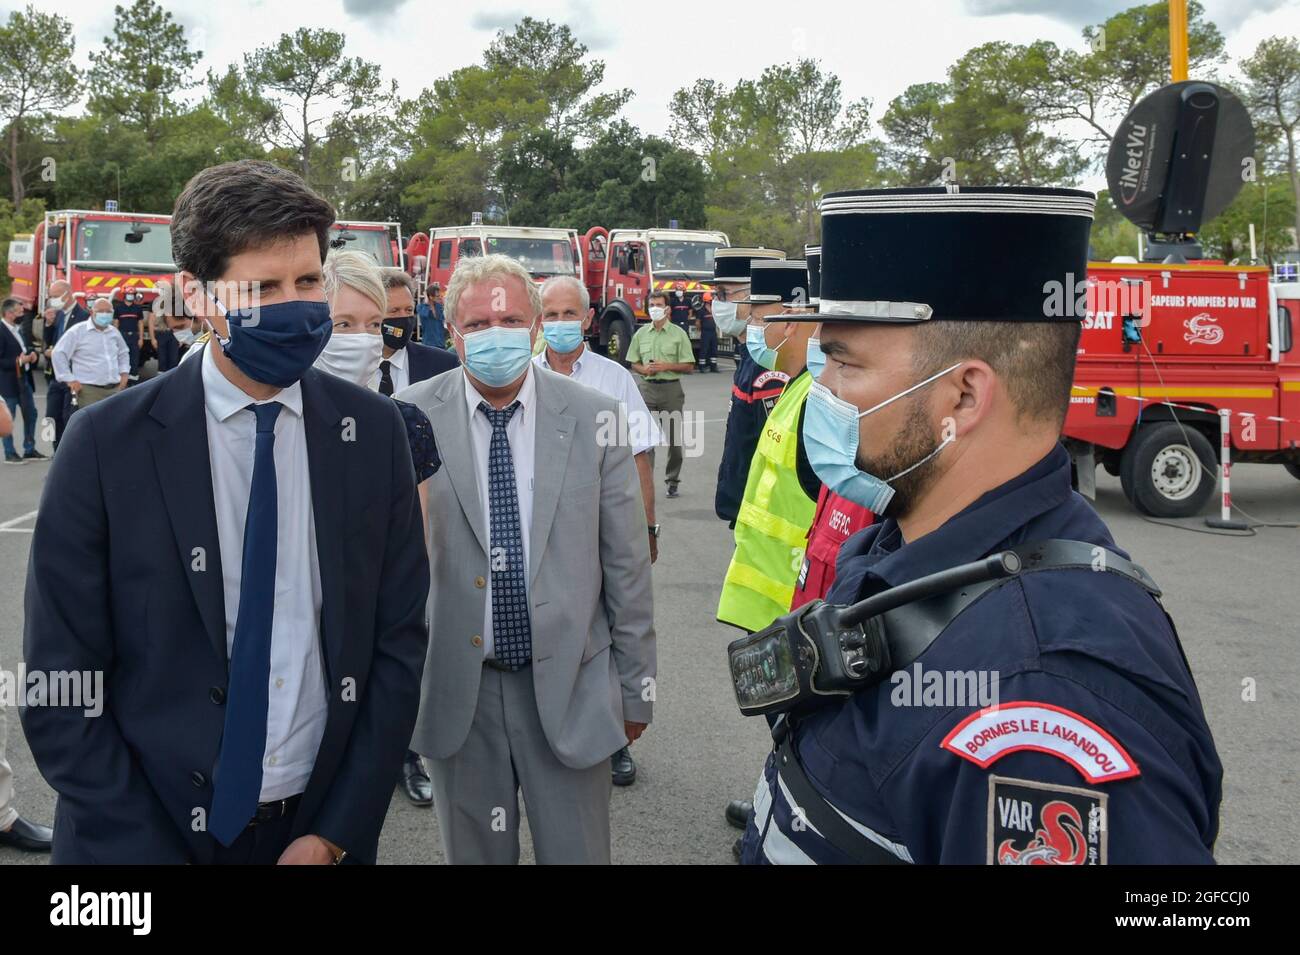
[450,421]
[180,454]
[321,420]
[552,441]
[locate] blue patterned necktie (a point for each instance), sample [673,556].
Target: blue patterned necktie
[238,780]
[512,637]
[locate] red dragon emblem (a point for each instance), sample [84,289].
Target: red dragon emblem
[1059,842]
[1202,330]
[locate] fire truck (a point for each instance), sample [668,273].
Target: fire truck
[624,266]
[383,240]
[1164,348]
[1181,355]
[97,253]
[619,268]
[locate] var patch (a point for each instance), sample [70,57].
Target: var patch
[1032,823]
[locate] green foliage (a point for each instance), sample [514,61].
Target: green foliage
[529,135]
[143,67]
[1270,204]
[37,77]
[15,222]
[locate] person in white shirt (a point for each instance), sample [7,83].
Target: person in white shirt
[91,358]
[566,317]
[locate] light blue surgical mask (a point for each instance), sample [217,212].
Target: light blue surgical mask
[564,337]
[724,316]
[816,357]
[497,356]
[759,350]
[103,319]
[830,435]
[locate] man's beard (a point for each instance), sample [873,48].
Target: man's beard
[911,444]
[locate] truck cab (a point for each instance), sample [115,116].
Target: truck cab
[383,240]
[97,253]
[543,252]
[637,262]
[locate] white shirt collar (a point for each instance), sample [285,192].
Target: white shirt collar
[398,360]
[223,398]
[525,397]
[577,362]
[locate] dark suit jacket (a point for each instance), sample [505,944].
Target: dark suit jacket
[10,352]
[425,361]
[126,590]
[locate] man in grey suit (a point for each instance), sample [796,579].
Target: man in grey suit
[541,656]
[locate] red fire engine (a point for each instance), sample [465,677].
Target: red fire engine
[1164,348]
[625,265]
[97,253]
[619,269]
[383,240]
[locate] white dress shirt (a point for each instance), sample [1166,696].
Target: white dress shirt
[91,355]
[521,432]
[397,371]
[296,710]
[614,381]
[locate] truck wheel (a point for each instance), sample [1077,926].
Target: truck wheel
[619,338]
[1293,469]
[1168,471]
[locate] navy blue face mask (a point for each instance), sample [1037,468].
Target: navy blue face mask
[276,344]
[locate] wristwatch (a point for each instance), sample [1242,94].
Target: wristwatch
[654,530]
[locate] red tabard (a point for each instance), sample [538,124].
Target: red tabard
[835,522]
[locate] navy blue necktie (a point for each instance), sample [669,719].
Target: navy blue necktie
[238,780]
[512,637]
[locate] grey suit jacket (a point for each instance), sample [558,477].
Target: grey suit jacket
[589,590]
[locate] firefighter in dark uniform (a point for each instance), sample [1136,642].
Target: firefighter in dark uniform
[754,389]
[1054,720]
[129,314]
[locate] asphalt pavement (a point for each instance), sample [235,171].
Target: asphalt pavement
[1234,600]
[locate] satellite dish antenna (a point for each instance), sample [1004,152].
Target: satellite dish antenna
[1178,159]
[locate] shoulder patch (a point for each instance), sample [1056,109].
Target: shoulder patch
[771,377]
[986,736]
[1032,823]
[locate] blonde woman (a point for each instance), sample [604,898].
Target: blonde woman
[358,301]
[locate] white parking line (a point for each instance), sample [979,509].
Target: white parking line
[8,526]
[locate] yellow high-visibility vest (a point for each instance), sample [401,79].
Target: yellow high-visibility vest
[772,526]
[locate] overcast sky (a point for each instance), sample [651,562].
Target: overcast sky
[877,47]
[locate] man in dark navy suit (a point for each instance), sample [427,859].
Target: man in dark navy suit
[262,634]
[405,362]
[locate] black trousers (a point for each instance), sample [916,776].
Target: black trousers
[58,405]
[708,345]
[262,844]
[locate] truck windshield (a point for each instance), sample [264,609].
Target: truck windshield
[541,257]
[375,241]
[682,256]
[104,241]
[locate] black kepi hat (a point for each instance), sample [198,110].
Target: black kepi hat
[779,281]
[733,264]
[969,253]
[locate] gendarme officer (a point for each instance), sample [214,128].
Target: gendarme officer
[1054,719]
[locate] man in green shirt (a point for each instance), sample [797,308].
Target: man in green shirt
[661,353]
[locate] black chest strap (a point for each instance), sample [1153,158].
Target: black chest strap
[909,630]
